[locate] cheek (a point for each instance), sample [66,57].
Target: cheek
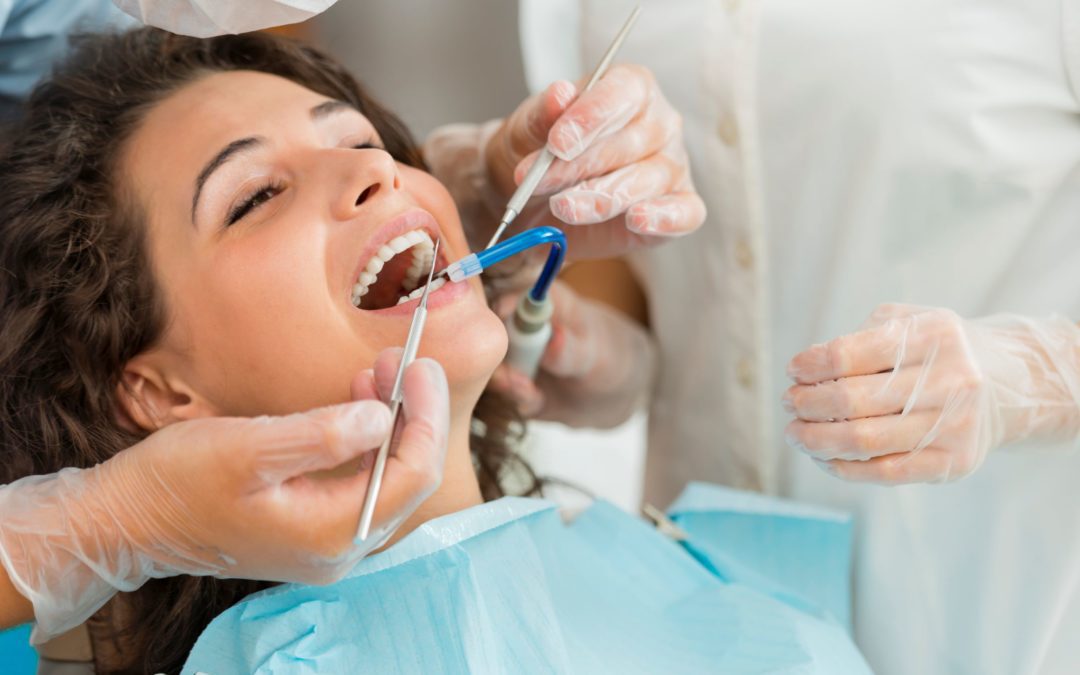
[261,332]
[468,341]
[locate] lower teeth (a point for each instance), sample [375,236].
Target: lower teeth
[435,285]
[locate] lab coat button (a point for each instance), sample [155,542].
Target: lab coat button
[744,373]
[728,131]
[744,255]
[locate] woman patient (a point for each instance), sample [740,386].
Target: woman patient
[225,227]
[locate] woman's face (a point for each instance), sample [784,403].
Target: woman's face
[266,204]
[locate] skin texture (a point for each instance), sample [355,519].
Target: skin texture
[15,609]
[260,320]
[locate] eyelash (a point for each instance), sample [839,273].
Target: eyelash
[266,192]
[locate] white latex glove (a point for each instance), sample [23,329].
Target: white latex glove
[207,18]
[596,369]
[227,497]
[923,395]
[622,172]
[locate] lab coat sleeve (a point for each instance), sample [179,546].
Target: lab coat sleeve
[34,35]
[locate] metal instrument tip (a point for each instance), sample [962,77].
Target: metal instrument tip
[431,273]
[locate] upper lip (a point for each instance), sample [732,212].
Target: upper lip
[411,219]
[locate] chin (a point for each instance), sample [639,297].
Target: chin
[469,346]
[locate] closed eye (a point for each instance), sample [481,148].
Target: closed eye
[260,196]
[265,193]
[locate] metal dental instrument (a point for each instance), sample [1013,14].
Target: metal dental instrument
[412,343]
[532,179]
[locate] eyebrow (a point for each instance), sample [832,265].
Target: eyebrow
[226,153]
[319,112]
[327,108]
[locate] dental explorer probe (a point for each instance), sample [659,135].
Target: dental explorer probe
[543,161]
[412,343]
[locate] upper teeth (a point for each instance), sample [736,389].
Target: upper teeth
[422,251]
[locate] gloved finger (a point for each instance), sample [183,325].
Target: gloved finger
[657,129]
[519,388]
[673,214]
[533,120]
[896,342]
[895,335]
[888,311]
[523,132]
[620,96]
[600,199]
[864,438]
[929,465]
[414,470]
[385,371]
[610,239]
[866,396]
[273,450]
[363,386]
[570,353]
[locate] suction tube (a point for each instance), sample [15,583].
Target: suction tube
[474,264]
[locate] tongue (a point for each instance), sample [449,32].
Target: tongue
[387,287]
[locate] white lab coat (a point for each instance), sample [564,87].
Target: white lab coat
[853,152]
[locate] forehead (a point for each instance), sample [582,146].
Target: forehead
[207,114]
[184,130]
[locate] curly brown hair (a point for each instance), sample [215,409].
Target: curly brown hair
[79,300]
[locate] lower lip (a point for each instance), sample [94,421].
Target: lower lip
[444,295]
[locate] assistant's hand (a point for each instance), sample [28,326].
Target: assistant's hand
[923,395]
[622,172]
[595,371]
[228,497]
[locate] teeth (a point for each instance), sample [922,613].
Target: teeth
[422,251]
[421,263]
[435,285]
[358,292]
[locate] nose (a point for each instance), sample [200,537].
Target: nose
[365,177]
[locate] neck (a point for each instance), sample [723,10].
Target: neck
[459,488]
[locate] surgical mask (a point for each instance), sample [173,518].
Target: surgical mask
[206,18]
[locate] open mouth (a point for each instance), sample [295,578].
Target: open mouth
[396,272]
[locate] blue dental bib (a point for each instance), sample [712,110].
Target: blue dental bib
[508,587]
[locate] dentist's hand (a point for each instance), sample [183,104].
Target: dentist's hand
[595,371]
[922,395]
[228,497]
[622,173]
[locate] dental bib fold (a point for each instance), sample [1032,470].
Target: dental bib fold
[507,587]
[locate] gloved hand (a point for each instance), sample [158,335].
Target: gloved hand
[622,169]
[922,395]
[595,371]
[228,497]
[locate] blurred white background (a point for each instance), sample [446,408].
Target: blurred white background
[462,63]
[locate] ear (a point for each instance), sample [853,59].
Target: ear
[149,399]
